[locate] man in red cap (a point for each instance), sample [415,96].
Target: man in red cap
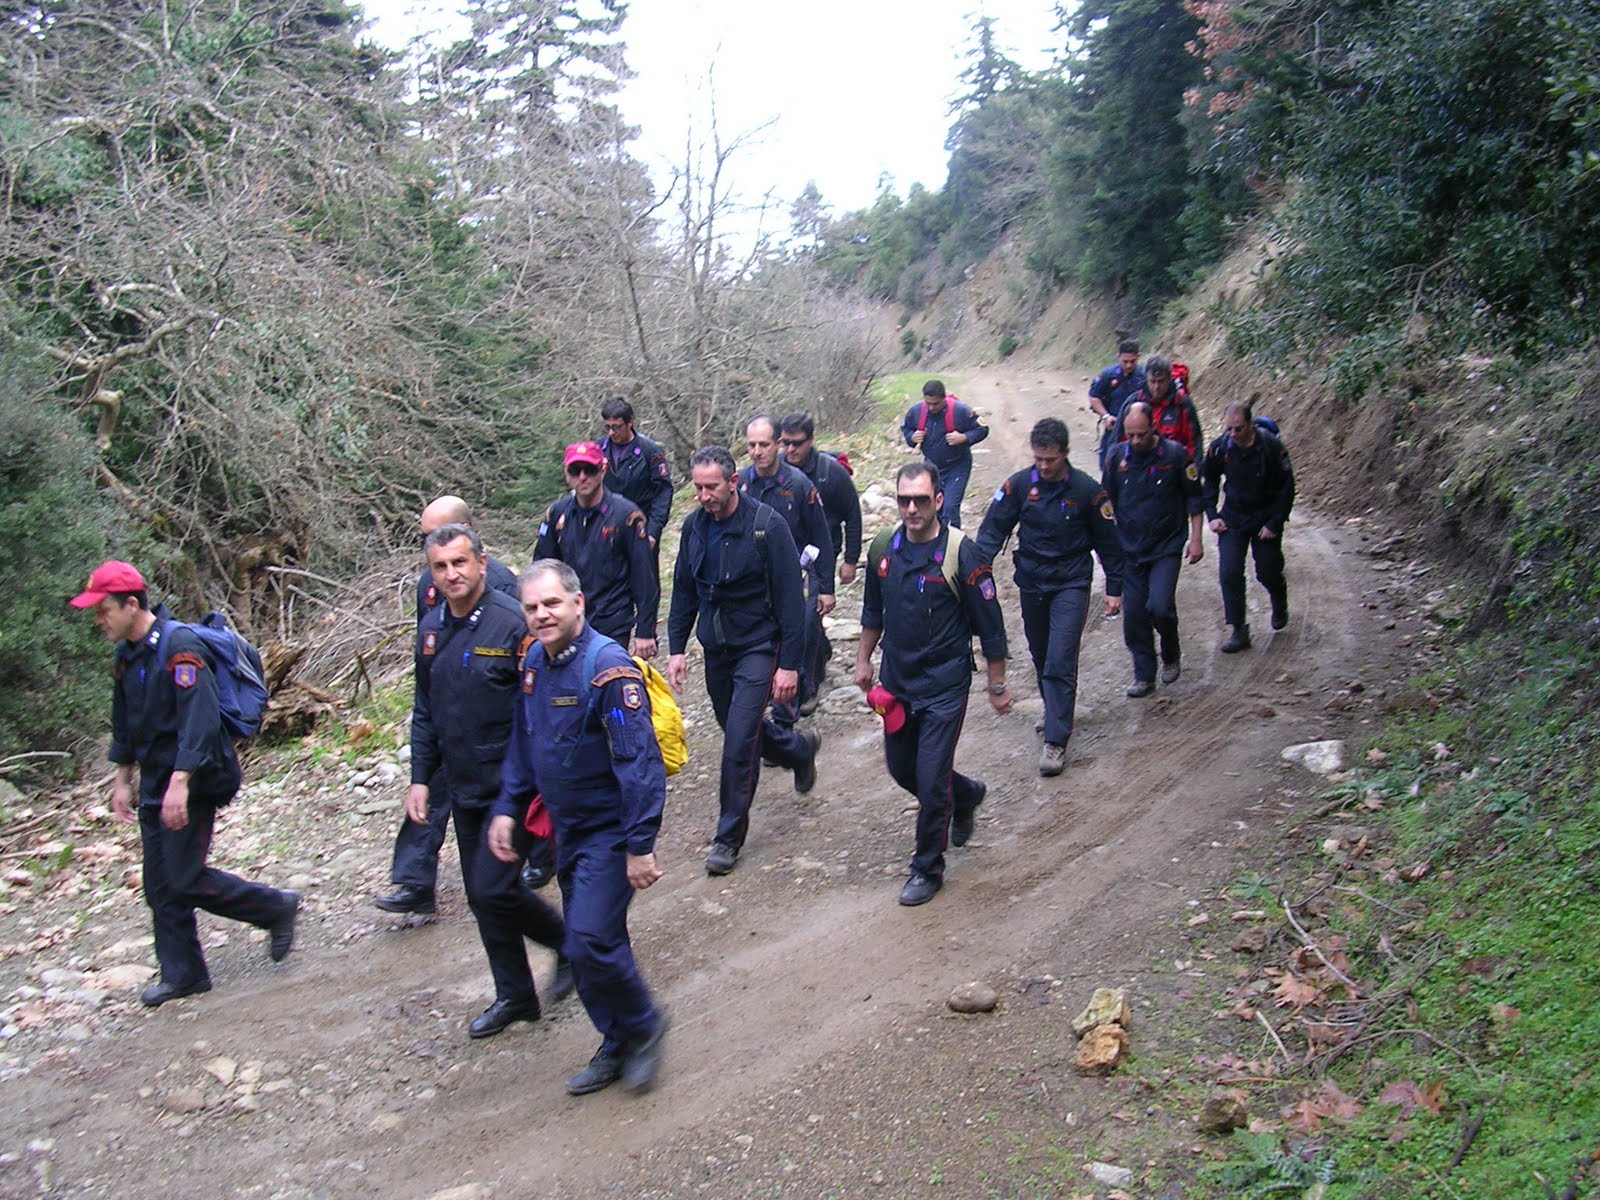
[603,536]
[166,717]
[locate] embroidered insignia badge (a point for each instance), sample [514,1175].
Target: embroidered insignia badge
[430,642]
[632,696]
[184,675]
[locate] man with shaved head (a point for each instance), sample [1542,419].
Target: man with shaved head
[414,869]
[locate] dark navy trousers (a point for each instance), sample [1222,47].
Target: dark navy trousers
[505,910]
[177,881]
[417,845]
[921,758]
[1268,553]
[953,482]
[1149,608]
[1053,622]
[740,685]
[592,872]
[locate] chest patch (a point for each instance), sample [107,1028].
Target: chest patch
[432,597]
[564,701]
[883,567]
[527,682]
[430,643]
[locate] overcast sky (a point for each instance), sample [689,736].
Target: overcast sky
[856,88]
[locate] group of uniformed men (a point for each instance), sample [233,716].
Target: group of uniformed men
[531,721]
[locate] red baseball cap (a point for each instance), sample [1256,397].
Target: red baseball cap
[110,577]
[585,452]
[888,706]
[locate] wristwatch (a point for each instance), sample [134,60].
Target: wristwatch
[998,689]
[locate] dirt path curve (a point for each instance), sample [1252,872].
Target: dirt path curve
[807,1055]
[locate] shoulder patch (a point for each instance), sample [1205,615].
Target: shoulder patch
[633,695]
[1191,470]
[986,587]
[1000,492]
[186,669]
[1106,511]
[611,673]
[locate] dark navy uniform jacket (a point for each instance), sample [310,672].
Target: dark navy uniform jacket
[501,579]
[841,504]
[1260,482]
[927,627]
[1061,523]
[468,672]
[790,494]
[586,745]
[1114,387]
[609,549]
[1153,495]
[934,448]
[740,591]
[640,471]
[166,717]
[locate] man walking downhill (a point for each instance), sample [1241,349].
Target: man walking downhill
[166,719]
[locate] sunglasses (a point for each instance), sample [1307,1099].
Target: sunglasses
[795,441]
[914,501]
[583,469]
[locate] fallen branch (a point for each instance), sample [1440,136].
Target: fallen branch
[1317,950]
[1284,1050]
[1469,1133]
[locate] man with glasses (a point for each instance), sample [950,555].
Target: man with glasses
[1252,516]
[1154,488]
[602,536]
[788,492]
[639,468]
[929,591]
[414,868]
[841,505]
[1061,515]
[737,586]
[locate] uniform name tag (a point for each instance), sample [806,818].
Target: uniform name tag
[491,652]
[564,701]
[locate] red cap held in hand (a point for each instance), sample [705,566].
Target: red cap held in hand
[888,706]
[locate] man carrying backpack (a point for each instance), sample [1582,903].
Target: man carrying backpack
[1111,391]
[945,430]
[1259,497]
[166,717]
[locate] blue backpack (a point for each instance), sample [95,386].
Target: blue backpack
[241,679]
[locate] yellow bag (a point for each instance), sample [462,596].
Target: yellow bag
[666,716]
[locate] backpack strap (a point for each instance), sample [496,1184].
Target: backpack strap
[880,544]
[590,657]
[951,566]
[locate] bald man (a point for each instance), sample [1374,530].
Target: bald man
[414,869]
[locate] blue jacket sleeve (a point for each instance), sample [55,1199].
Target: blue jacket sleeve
[660,509]
[908,424]
[1211,478]
[1103,533]
[967,423]
[816,527]
[1005,510]
[685,597]
[644,585]
[199,708]
[624,705]
[519,782]
[424,740]
[784,589]
[982,602]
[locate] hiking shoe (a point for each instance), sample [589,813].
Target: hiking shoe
[722,859]
[563,983]
[499,1015]
[1280,613]
[962,826]
[281,940]
[158,994]
[407,899]
[1052,759]
[919,889]
[1140,688]
[810,705]
[805,775]
[604,1069]
[641,1060]
[1170,672]
[1238,640]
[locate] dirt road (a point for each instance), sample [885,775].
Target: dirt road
[810,1052]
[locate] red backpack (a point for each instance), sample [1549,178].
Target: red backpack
[950,413]
[1180,377]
